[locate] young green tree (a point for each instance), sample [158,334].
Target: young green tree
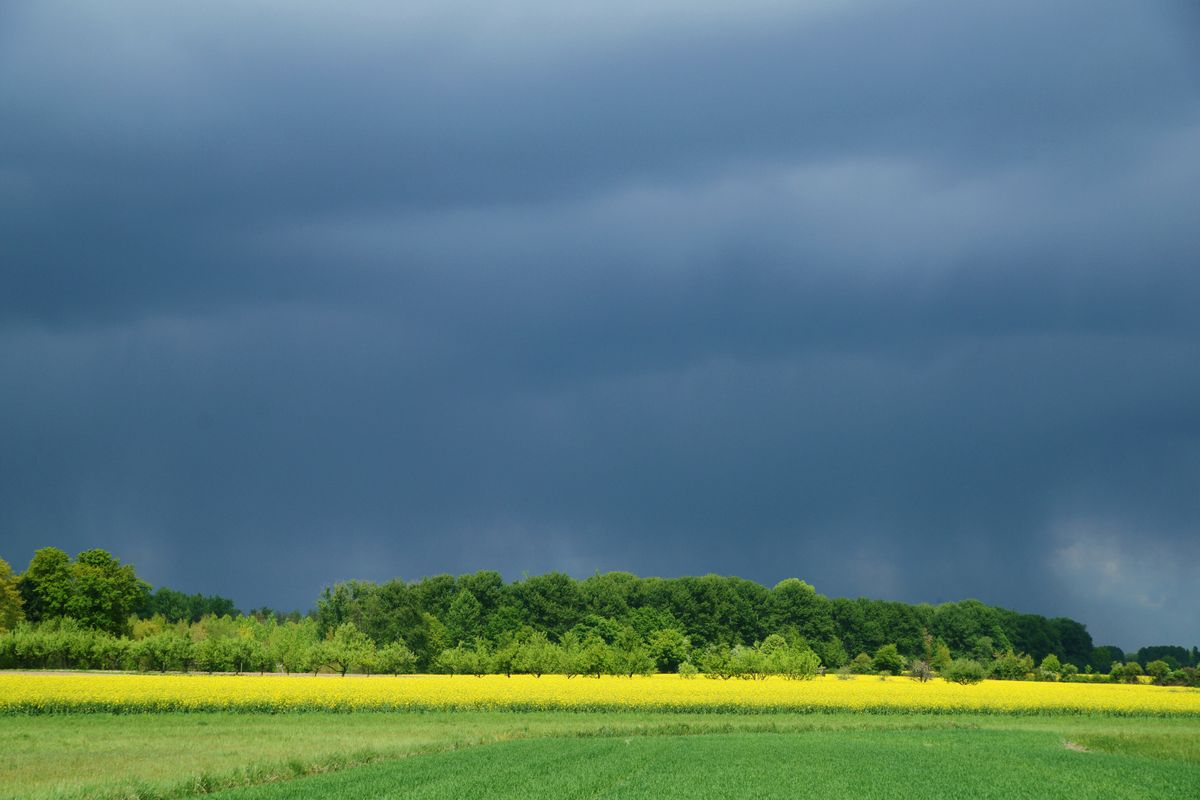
[506,656]
[570,652]
[716,661]
[536,655]
[593,657]
[941,656]
[396,658]
[794,662]
[628,655]
[290,644]
[964,670]
[239,653]
[210,655]
[347,648]
[748,662]
[453,660]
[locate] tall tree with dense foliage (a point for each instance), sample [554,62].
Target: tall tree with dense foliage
[795,604]
[11,606]
[105,592]
[464,618]
[95,589]
[46,584]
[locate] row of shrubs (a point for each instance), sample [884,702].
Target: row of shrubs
[293,648]
[235,645]
[1013,667]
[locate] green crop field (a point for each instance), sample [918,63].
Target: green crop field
[564,755]
[859,764]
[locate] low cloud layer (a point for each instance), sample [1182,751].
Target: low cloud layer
[895,297]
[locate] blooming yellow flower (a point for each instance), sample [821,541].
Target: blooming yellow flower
[26,693]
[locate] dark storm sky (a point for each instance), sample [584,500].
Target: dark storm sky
[898,297]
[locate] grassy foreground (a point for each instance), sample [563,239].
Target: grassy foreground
[616,754]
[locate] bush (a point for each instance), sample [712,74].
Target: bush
[888,659]
[1012,667]
[749,663]
[965,671]
[794,663]
[861,665]
[1158,670]
[1125,673]
[687,670]
[1050,669]
[1184,676]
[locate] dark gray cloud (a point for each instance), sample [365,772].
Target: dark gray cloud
[896,297]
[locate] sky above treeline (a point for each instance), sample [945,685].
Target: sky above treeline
[900,298]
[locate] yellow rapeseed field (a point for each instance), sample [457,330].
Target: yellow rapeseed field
[50,693]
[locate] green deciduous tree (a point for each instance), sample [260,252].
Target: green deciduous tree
[536,655]
[888,659]
[1158,670]
[464,620]
[794,663]
[11,605]
[105,592]
[669,648]
[96,589]
[795,604]
[862,664]
[396,658]
[348,648]
[629,656]
[1011,666]
[1050,668]
[964,670]
[46,584]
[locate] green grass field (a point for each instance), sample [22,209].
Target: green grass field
[564,755]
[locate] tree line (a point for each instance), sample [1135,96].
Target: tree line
[93,611]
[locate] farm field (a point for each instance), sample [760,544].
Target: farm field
[177,755]
[42,693]
[586,753]
[848,763]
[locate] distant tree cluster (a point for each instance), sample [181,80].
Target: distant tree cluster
[95,590]
[94,612]
[444,611]
[176,606]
